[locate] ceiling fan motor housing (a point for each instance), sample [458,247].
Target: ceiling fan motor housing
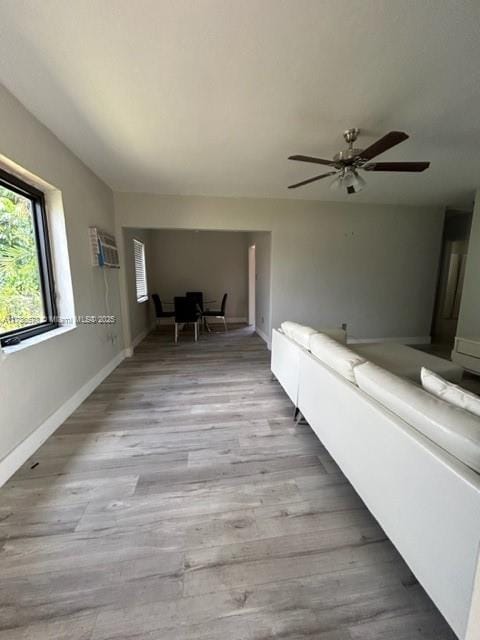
[351,135]
[348,155]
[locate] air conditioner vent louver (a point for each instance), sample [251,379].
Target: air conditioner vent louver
[103,249]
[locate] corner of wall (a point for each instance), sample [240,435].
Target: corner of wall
[469,316]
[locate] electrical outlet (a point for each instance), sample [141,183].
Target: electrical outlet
[111,337]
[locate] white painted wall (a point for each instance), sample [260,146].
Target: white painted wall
[262,242]
[141,314]
[36,381]
[214,262]
[372,266]
[469,318]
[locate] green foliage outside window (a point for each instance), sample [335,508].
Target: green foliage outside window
[21,301]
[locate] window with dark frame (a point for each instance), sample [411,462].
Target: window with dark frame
[140,271]
[27,292]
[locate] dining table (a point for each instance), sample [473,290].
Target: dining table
[171,303]
[205,323]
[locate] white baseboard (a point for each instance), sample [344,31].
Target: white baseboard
[22,452]
[137,340]
[264,337]
[413,340]
[239,320]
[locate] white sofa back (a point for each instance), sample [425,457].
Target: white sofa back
[285,363]
[337,356]
[286,347]
[452,428]
[302,333]
[298,332]
[427,501]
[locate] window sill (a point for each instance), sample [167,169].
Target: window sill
[42,337]
[142,299]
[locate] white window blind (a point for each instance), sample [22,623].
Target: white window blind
[140,271]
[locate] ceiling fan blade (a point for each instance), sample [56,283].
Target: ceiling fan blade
[300,184]
[330,163]
[396,166]
[387,142]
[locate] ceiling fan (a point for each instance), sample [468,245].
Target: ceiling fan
[347,163]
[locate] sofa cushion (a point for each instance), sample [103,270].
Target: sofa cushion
[453,429]
[449,392]
[407,362]
[302,333]
[335,355]
[298,332]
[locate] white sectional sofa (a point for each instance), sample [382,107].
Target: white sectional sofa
[407,362]
[413,458]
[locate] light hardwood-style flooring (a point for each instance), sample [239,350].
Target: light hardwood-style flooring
[181,502]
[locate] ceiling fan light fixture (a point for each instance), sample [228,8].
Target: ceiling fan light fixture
[353,182]
[349,178]
[337,182]
[359,183]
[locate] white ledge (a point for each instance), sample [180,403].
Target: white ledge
[41,337]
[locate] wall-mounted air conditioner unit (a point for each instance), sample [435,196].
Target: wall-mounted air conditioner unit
[104,249]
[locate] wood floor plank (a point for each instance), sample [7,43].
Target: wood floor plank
[33,520]
[195,500]
[363,594]
[27,493]
[181,502]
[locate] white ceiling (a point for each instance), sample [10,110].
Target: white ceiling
[211,96]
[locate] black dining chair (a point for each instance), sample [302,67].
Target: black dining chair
[159,312]
[219,313]
[197,296]
[186,312]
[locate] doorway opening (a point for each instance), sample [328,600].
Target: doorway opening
[251,285]
[210,262]
[456,234]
